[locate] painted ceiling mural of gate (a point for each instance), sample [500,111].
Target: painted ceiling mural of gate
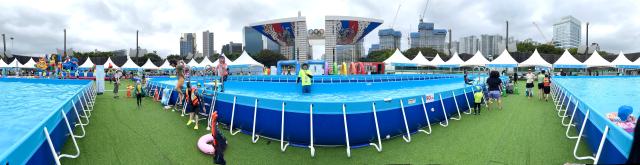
[351,31]
[282,32]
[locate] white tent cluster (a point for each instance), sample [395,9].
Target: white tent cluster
[504,60]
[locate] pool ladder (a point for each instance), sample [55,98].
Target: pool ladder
[558,92]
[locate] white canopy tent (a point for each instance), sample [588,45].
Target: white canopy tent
[398,59]
[3,64]
[503,61]
[436,61]
[166,66]
[567,60]
[454,62]
[420,60]
[535,60]
[596,60]
[130,65]
[621,62]
[245,61]
[476,60]
[29,65]
[110,63]
[149,65]
[205,62]
[87,64]
[192,63]
[14,63]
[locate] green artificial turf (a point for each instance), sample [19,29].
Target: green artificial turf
[525,132]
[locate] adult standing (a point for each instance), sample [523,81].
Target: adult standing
[116,83]
[540,84]
[529,85]
[222,71]
[495,88]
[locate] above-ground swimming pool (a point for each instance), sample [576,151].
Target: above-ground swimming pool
[596,97]
[341,110]
[28,107]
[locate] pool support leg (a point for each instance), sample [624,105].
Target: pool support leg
[254,137]
[79,121]
[565,110]
[468,103]
[426,115]
[571,122]
[457,107]
[375,118]
[87,112]
[559,104]
[233,111]
[407,138]
[346,129]
[73,138]
[313,150]
[283,146]
[211,109]
[602,140]
[444,111]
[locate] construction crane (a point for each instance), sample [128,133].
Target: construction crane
[396,17]
[548,42]
[424,11]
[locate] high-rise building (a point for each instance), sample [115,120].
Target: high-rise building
[566,32]
[252,40]
[270,45]
[455,47]
[188,45]
[469,45]
[141,52]
[374,47]
[207,43]
[231,48]
[493,45]
[389,39]
[428,37]
[414,39]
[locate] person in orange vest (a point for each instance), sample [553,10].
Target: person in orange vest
[547,86]
[129,89]
[193,104]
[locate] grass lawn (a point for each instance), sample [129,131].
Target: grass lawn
[525,132]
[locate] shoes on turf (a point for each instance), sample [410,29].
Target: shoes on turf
[196,127]
[189,122]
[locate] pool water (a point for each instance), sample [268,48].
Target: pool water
[341,92]
[26,105]
[605,95]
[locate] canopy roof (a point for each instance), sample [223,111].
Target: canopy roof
[397,58]
[568,61]
[130,65]
[596,60]
[109,62]
[437,61]
[192,63]
[477,60]
[29,64]
[87,64]
[245,60]
[205,62]
[535,60]
[226,59]
[14,63]
[454,62]
[149,65]
[166,66]
[420,60]
[3,64]
[503,61]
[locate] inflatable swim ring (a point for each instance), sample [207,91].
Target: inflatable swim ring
[205,144]
[628,126]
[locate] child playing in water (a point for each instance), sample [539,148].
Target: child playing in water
[305,76]
[478,96]
[623,118]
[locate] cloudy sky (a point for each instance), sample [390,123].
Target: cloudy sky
[109,25]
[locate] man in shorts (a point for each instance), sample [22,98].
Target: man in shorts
[529,85]
[540,77]
[116,83]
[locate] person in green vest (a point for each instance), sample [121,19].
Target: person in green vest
[478,96]
[305,76]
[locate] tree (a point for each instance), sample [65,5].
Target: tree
[173,57]
[526,47]
[214,57]
[549,49]
[573,50]
[269,58]
[233,56]
[378,56]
